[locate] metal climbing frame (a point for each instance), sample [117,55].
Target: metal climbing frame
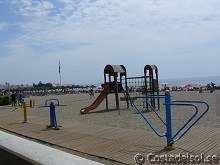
[171,138]
[136,88]
[145,85]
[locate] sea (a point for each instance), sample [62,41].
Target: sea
[176,81]
[183,81]
[191,80]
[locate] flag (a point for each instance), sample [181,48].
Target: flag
[59,66]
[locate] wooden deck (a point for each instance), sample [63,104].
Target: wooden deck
[112,143]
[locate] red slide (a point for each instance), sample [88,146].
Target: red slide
[97,101]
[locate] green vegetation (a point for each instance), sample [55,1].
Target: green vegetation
[49,86]
[4,100]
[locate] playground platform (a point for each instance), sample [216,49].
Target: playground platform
[111,143]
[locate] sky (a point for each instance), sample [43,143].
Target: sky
[182,38]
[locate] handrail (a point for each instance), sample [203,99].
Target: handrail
[144,97]
[135,77]
[137,109]
[148,96]
[190,119]
[58,103]
[156,112]
[155,96]
[45,104]
[171,138]
[202,102]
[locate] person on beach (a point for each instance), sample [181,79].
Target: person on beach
[91,93]
[213,86]
[13,99]
[208,87]
[20,98]
[200,89]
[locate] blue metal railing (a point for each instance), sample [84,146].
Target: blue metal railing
[145,119]
[168,103]
[186,103]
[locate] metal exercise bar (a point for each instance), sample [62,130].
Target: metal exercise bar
[58,103]
[148,103]
[190,119]
[136,77]
[198,102]
[155,112]
[149,96]
[146,120]
[168,103]
[53,119]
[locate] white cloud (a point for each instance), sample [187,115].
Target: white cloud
[31,8]
[115,14]
[115,31]
[3,25]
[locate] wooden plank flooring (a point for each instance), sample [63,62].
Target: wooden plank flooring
[110,142]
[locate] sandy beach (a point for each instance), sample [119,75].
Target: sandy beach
[128,118]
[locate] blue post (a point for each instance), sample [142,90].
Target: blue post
[54,117]
[169,133]
[53,120]
[52,110]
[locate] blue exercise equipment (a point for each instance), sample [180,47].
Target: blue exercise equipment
[171,138]
[53,119]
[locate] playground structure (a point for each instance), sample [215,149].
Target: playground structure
[168,102]
[116,81]
[53,120]
[146,85]
[152,85]
[114,78]
[143,92]
[119,75]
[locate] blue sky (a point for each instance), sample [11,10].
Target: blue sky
[180,37]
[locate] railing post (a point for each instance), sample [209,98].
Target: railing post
[169,133]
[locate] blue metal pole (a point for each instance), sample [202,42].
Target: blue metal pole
[169,133]
[52,110]
[54,118]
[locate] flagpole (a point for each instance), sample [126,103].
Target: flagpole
[59,72]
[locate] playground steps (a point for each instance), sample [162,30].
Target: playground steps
[117,144]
